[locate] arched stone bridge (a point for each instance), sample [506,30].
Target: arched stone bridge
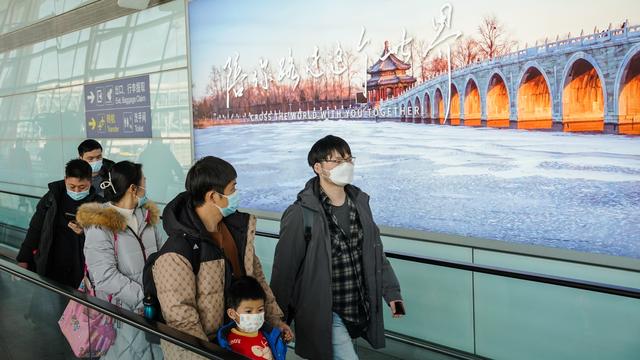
[589,83]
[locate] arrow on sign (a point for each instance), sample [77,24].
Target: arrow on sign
[92,123]
[91,97]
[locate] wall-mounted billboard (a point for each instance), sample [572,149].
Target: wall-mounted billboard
[498,120]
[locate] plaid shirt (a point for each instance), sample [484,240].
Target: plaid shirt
[349,300]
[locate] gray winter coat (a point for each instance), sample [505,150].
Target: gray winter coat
[117,276]
[308,295]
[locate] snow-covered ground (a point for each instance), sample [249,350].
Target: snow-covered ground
[563,190]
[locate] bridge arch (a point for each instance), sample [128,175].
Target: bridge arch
[426,114]
[583,94]
[403,115]
[627,93]
[472,102]
[438,106]
[417,117]
[454,105]
[534,101]
[498,101]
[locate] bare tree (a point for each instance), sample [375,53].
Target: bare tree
[215,84]
[436,65]
[350,60]
[465,51]
[494,41]
[419,66]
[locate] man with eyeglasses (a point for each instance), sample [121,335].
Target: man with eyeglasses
[329,271]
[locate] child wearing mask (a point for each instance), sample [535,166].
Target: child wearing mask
[208,233]
[247,334]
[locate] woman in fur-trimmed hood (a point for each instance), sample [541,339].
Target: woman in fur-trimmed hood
[120,234]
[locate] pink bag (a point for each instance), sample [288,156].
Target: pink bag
[90,333]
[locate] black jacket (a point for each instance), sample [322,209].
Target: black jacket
[192,300]
[103,175]
[309,293]
[106,167]
[41,235]
[185,229]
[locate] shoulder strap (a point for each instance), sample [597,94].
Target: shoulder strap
[144,253]
[307,218]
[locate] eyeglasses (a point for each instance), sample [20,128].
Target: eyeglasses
[340,161]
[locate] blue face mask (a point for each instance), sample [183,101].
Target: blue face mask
[96,166]
[233,202]
[77,196]
[142,200]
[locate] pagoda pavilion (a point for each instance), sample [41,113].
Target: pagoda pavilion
[388,77]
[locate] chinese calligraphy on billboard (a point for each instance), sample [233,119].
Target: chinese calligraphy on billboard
[505,121]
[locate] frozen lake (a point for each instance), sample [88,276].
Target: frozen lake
[563,190]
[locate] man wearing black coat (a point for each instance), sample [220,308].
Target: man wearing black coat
[91,152]
[330,274]
[54,243]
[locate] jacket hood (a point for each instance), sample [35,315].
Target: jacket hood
[106,167]
[180,218]
[310,195]
[101,215]
[57,188]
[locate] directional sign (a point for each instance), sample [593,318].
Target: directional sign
[118,108]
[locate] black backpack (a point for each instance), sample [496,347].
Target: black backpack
[149,284]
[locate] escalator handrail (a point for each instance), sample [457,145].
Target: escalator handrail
[466,266]
[191,343]
[497,271]
[509,273]
[474,243]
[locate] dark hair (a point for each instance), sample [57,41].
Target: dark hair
[78,168]
[244,288]
[208,173]
[324,147]
[88,145]
[123,174]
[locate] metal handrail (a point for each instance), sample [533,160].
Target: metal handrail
[20,194]
[490,270]
[509,273]
[163,331]
[478,243]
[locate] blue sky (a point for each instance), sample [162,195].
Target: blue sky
[267,29]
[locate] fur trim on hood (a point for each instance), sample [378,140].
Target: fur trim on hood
[101,215]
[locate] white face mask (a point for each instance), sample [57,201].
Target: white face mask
[342,174]
[250,323]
